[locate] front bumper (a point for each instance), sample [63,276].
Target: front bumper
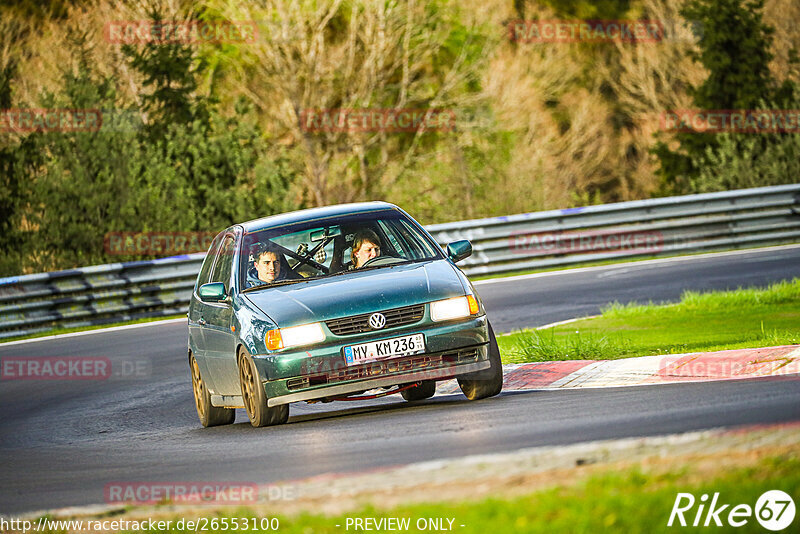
[439,337]
[382,378]
[452,349]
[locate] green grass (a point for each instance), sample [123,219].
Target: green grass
[57,331]
[628,501]
[744,318]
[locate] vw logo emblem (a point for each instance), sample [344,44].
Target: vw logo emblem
[377,321]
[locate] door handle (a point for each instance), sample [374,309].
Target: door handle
[201,322]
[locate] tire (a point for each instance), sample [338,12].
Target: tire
[421,392]
[254,398]
[476,389]
[209,415]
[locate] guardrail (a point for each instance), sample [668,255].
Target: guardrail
[643,228]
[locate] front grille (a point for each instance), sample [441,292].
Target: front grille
[297,383]
[407,364]
[369,370]
[385,367]
[357,324]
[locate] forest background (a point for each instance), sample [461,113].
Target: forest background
[201,135]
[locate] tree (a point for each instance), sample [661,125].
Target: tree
[356,55]
[15,152]
[735,50]
[10,191]
[169,72]
[189,168]
[744,160]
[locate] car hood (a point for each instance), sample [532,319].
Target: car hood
[358,292]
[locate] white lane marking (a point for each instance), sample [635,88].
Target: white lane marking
[566,321]
[95,331]
[549,325]
[616,272]
[632,265]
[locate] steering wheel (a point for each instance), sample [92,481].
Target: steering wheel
[382,260]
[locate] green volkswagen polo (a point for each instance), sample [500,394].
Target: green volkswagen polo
[345,302]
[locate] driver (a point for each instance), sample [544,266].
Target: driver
[366,246]
[267,263]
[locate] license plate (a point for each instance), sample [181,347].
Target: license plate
[387,348]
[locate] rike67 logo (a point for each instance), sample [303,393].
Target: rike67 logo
[774,510]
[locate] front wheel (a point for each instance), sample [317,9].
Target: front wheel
[209,415]
[254,397]
[490,386]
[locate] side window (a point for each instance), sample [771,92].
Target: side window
[222,267]
[393,243]
[205,269]
[420,248]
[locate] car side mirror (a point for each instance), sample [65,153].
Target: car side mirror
[213,292]
[458,250]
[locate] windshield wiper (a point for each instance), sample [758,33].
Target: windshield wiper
[268,285]
[404,261]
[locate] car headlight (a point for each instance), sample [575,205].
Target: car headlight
[455,308]
[294,336]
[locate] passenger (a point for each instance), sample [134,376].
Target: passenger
[266,266]
[366,246]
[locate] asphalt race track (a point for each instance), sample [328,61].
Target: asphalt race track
[61,442]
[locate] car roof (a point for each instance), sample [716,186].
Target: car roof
[311,214]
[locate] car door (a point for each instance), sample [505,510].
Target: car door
[197,311]
[220,339]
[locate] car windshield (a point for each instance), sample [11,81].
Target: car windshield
[330,247]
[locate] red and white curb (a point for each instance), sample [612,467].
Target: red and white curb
[647,370]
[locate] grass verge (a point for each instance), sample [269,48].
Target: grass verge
[719,320]
[630,500]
